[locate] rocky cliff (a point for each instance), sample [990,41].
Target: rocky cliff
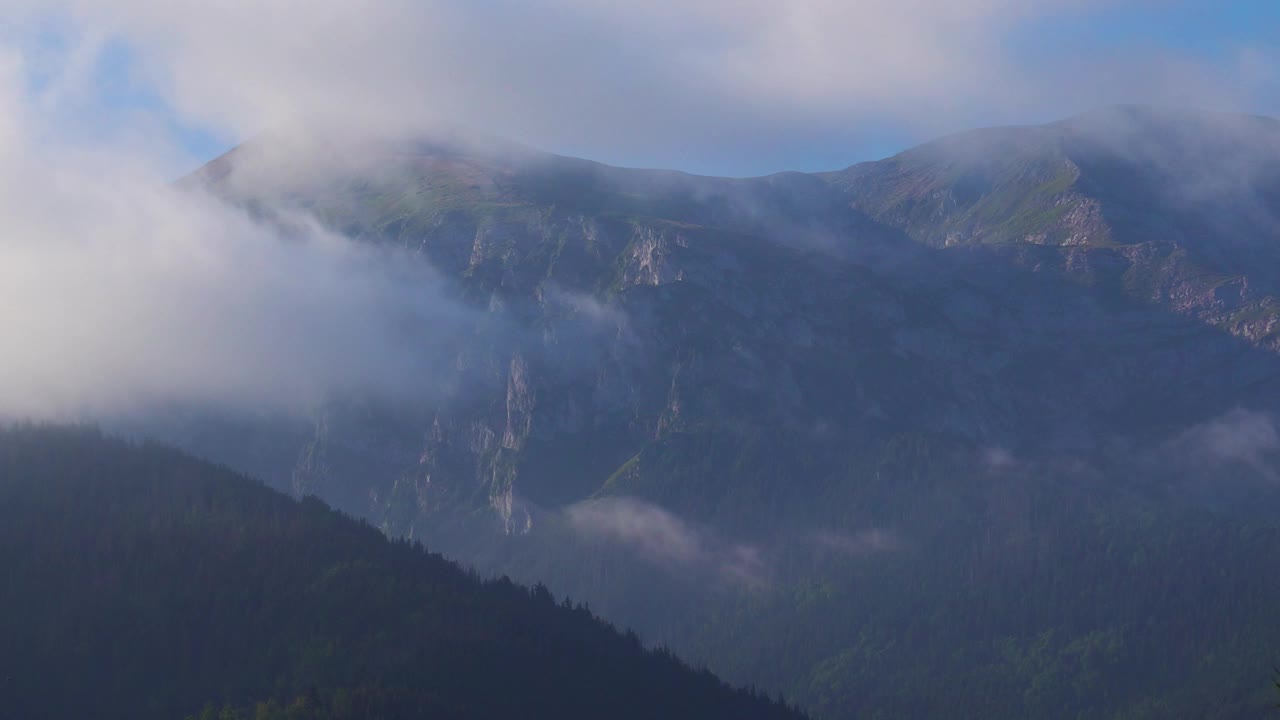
[1041,288]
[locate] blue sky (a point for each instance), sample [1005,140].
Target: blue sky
[635,87]
[1210,29]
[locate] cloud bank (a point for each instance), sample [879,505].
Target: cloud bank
[662,538]
[677,545]
[120,292]
[693,83]
[1244,437]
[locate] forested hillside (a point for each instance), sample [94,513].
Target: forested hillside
[1004,589]
[140,583]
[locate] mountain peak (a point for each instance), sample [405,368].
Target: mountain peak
[1122,175]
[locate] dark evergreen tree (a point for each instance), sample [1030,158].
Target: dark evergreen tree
[138,583]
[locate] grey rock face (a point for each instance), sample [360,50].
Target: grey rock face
[1038,288]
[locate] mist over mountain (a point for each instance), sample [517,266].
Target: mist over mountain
[987,427]
[1032,289]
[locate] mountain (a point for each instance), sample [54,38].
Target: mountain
[1167,198]
[961,419]
[968,288]
[140,583]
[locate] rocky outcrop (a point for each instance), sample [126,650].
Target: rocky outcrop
[1027,288]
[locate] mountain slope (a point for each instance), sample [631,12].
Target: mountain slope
[977,288]
[1182,204]
[919,398]
[1117,176]
[141,583]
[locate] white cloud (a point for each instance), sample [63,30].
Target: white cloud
[668,541]
[998,458]
[116,289]
[120,292]
[663,79]
[662,538]
[1240,436]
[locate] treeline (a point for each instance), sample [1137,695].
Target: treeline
[140,583]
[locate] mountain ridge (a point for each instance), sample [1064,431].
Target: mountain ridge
[970,348]
[576,249]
